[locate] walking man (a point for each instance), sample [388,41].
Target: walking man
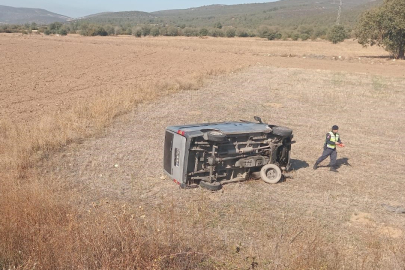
[332,140]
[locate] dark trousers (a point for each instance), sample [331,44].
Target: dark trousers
[326,153]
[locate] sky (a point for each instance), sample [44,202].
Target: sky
[79,8]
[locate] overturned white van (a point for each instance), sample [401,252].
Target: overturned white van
[213,154]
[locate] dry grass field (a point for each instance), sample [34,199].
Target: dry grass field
[82,126]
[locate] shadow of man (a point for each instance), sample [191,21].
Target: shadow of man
[342,161]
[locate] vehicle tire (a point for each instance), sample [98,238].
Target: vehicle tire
[271,173]
[282,131]
[211,186]
[214,136]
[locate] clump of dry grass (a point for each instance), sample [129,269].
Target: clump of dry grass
[31,217]
[40,232]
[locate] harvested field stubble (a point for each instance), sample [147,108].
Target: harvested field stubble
[100,203]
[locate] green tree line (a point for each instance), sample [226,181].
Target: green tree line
[383,26]
[302,32]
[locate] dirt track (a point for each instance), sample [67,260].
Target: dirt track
[124,165]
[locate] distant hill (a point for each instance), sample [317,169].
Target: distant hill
[120,15]
[282,6]
[280,13]
[286,14]
[12,15]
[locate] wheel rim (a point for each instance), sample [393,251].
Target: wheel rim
[271,174]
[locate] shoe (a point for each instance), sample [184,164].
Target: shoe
[333,169]
[315,166]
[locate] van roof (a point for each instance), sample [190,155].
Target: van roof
[225,127]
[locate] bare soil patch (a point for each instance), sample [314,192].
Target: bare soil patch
[46,74]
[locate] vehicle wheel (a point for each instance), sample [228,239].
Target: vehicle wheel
[282,131]
[214,136]
[211,186]
[271,173]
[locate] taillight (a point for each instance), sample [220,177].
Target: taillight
[181,132]
[177,182]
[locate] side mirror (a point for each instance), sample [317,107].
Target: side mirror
[258,119]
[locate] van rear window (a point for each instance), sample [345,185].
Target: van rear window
[168,152]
